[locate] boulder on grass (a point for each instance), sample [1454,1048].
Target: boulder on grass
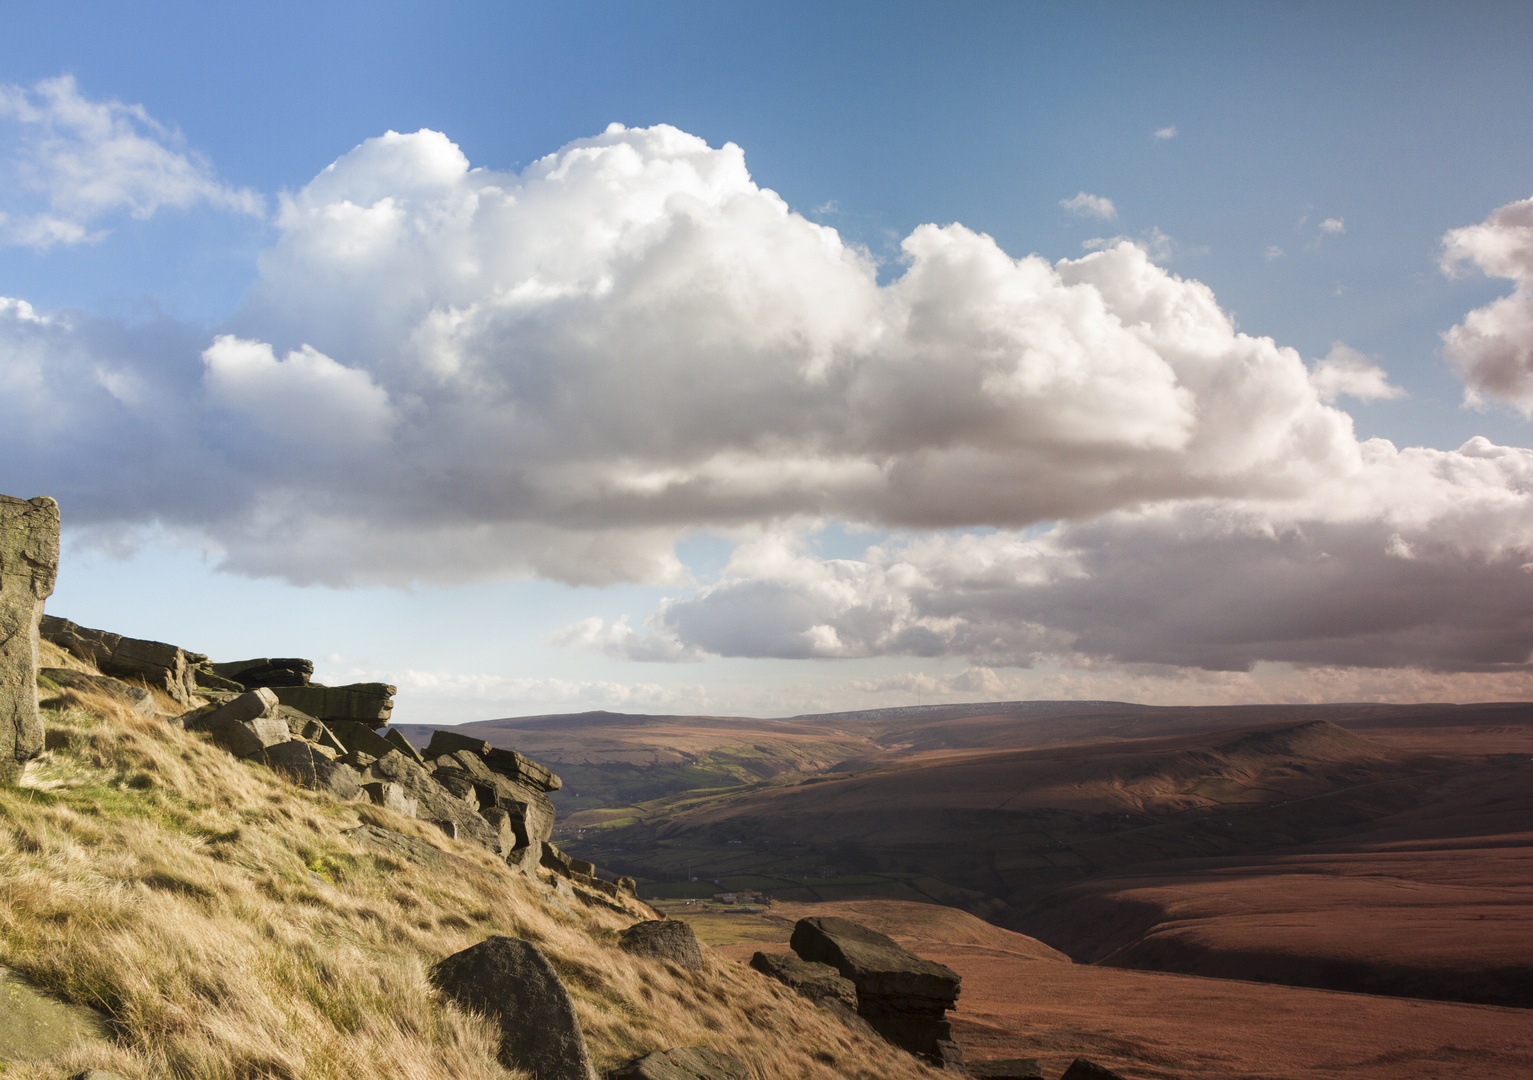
[244,725]
[815,981]
[301,763]
[511,981]
[682,1063]
[663,939]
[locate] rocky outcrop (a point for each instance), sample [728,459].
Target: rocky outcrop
[903,997]
[682,1063]
[29,563]
[249,674]
[512,982]
[307,765]
[153,663]
[664,939]
[367,703]
[507,763]
[244,726]
[134,697]
[818,982]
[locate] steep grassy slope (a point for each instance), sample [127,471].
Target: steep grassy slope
[231,925]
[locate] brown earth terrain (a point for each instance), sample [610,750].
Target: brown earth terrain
[1376,861]
[1023,999]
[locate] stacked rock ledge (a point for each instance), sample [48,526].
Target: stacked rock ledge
[903,997]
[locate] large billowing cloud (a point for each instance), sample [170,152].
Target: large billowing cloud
[74,162]
[1493,346]
[445,373]
[1423,561]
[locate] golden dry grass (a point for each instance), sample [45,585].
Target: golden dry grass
[229,928]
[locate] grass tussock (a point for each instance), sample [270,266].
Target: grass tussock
[229,928]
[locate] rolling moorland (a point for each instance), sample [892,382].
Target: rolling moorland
[1272,862]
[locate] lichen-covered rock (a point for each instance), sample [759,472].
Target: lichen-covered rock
[29,563]
[663,939]
[35,1026]
[511,981]
[682,1063]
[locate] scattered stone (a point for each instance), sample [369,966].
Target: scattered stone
[1008,1069]
[402,744]
[360,737]
[35,1026]
[368,703]
[134,697]
[391,796]
[682,1063]
[249,674]
[245,725]
[901,995]
[815,981]
[29,563]
[1082,1069]
[308,766]
[161,666]
[513,982]
[663,939]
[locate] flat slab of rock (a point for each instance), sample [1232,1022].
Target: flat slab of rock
[134,697]
[511,981]
[166,667]
[368,703]
[35,1026]
[663,939]
[815,981]
[29,564]
[264,671]
[682,1063]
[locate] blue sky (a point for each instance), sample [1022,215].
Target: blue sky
[1303,162]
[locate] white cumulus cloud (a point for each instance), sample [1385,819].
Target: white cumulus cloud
[1345,372]
[1093,206]
[72,163]
[1493,347]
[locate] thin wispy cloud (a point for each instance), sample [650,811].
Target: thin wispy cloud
[1090,206]
[1333,225]
[73,164]
[1167,132]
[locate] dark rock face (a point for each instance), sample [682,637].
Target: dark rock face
[902,996]
[682,1063]
[1008,1069]
[285,671]
[507,763]
[664,939]
[165,667]
[29,564]
[815,981]
[1082,1069]
[513,982]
